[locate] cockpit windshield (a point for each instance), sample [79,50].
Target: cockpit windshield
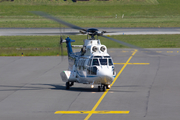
[100,61]
[106,56]
[95,62]
[110,62]
[103,61]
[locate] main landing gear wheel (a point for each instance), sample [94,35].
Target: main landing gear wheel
[69,84]
[72,83]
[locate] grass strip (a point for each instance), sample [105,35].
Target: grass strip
[49,45]
[93,13]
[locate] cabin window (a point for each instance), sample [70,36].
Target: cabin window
[95,62]
[79,67]
[92,70]
[84,64]
[103,61]
[110,62]
[79,64]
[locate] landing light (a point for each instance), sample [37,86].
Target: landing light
[92,86]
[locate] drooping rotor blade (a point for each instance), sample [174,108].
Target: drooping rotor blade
[133,46]
[57,20]
[122,43]
[43,33]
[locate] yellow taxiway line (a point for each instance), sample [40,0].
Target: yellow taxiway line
[93,111]
[104,94]
[132,63]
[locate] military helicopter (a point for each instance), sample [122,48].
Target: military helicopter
[92,65]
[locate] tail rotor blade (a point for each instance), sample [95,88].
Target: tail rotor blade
[61,46]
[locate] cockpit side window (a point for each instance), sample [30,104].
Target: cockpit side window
[95,62]
[89,62]
[110,62]
[103,61]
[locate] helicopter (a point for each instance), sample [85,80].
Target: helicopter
[92,64]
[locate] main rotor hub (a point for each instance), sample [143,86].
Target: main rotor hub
[93,31]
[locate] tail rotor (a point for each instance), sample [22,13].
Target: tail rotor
[61,47]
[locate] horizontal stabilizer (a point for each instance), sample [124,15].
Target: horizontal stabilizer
[80,46]
[68,76]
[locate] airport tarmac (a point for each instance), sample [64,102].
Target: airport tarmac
[147,87]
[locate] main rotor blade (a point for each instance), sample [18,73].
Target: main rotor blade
[123,43]
[43,33]
[133,46]
[43,14]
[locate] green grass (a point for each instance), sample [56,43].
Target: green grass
[137,13]
[69,2]
[49,45]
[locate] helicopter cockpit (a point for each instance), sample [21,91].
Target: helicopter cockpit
[96,61]
[101,60]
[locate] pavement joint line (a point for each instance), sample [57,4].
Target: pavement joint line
[132,63]
[93,111]
[172,51]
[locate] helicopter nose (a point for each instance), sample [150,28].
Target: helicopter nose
[105,71]
[105,75]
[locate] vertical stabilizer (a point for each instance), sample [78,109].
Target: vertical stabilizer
[69,47]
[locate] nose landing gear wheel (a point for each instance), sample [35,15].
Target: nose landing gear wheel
[104,88]
[99,88]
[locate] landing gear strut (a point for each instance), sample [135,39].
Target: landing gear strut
[103,87]
[69,84]
[99,88]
